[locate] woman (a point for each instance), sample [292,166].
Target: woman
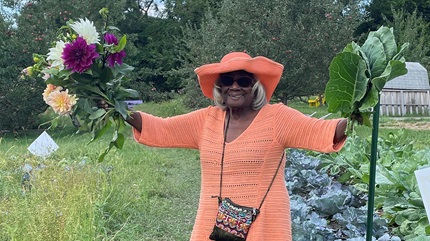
[256,135]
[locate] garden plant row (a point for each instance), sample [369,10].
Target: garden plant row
[329,192]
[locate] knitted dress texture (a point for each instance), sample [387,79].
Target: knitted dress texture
[250,161]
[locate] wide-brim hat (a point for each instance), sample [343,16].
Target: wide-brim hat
[266,70]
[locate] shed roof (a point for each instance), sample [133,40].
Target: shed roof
[415,79]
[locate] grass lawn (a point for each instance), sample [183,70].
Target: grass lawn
[138,193]
[411,129]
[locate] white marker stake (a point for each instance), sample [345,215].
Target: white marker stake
[43,146]
[423,179]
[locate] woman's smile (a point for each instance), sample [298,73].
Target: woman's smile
[235,96]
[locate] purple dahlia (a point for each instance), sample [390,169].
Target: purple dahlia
[114,57]
[78,55]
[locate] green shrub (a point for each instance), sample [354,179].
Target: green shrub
[20,102]
[164,109]
[150,93]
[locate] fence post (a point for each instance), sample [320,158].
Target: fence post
[402,103]
[428,102]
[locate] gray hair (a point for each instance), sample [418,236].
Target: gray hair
[257,90]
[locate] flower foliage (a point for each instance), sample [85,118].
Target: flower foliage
[82,69]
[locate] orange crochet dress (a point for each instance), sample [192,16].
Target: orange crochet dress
[250,161]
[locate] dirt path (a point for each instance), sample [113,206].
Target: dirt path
[407,123]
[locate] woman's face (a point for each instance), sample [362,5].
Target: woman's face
[236,89]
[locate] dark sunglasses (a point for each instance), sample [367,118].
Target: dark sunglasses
[242,81]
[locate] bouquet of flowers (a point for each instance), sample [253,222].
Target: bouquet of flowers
[85,68]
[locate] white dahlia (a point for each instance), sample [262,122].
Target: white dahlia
[85,28]
[54,55]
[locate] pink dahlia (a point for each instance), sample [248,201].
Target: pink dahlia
[48,91]
[114,57]
[78,55]
[62,102]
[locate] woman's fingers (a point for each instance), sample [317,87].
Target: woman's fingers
[102,104]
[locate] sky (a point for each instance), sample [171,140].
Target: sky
[152,11]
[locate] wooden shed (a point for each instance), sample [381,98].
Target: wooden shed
[408,94]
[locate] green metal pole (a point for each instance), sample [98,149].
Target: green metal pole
[373,158]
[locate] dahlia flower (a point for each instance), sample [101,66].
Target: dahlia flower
[62,102]
[79,56]
[114,57]
[55,55]
[111,39]
[87,30]
[49,89]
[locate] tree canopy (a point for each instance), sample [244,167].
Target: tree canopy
[167,39]
[302,36]
[379,11]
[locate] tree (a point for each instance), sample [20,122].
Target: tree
[20,99]
[189,11]
[303,36]
[152,49]
[379,11]
[321,29]
[143,6]
[413,29]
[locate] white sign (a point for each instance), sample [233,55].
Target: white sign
[423,179]
[43,146]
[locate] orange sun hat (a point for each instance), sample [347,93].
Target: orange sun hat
[266,70]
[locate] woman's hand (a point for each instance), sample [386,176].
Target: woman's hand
[133,119]
[339,134]
[102,104]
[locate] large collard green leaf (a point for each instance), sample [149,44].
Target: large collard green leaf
[356,49]
[380,60]
[399,55]
[369,101]
[394,69]
[373,49]
[352,48]
[347,84]
[365,107]
[386,36]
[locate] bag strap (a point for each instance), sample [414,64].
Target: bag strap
[273,180]
[222,167]
[222,156]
